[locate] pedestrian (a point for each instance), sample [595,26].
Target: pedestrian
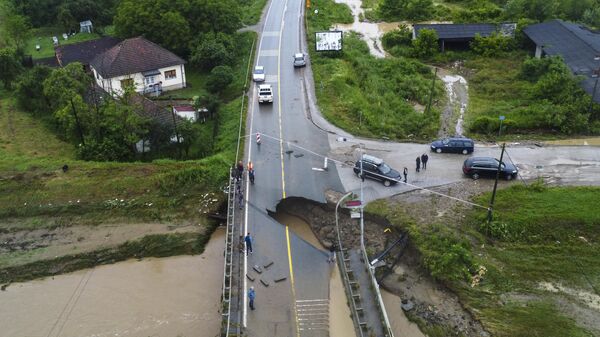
[424,159]
[241,200]
[418,163]
[251,176]
[234,174]
[251,297]
[405,173]
[331,253]
[240,168]
[248,240]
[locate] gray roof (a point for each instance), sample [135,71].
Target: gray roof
[576,44]
[458,31]
[133,56]
[84,52]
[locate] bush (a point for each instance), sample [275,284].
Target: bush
[397,37]
[426,44]
[213,49]
[493,45]
[446,257]
[220,78]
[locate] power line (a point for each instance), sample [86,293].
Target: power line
[340,163]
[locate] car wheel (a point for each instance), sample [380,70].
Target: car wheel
[509,177]
[386,183]
[475,176]
[465,151]
[438,150]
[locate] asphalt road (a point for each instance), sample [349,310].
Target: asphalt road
[286,165]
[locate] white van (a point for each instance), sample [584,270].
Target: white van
[265,93]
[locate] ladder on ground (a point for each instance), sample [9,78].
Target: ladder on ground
[228,325]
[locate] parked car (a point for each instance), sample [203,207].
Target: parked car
[453,145]
[259,74]
[375,168]
[477,167]
[299,60]
[265,93]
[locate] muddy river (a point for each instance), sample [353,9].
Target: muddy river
[177,296]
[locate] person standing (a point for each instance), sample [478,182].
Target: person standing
[418,163]
[240,168]
[251,297]
[405,173]
[248,240]
[331,253]
[241,199]
[251,172]
[424,159]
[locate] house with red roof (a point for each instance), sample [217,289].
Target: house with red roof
[147,67]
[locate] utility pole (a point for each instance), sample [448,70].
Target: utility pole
[428,109]
[491,208]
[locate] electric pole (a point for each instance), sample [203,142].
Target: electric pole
[491,208]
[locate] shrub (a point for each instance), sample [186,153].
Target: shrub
[213,49]
[396,37]
[493,45]
[220,78]
[426,44]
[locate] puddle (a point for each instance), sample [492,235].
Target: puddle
[371,32]
[176,296]
[340,323]
[401,326]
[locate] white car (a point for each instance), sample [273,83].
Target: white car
[259,74]
[299,60]
[265,93]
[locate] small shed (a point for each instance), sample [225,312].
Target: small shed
[86,26]
[186,111]
[463,34]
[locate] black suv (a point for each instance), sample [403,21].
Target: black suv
[453,145]
[375,168]
[476,167]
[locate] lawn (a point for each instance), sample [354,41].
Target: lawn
[539,236]
[43,37]
[365,95]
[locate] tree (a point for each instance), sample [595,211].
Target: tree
[220,78]
[66,83]
[213,49]
[426,44]
[214,16]
[30,91]
[10,66]
[414,10]
[592,16]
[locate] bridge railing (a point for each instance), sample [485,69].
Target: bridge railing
[227,263]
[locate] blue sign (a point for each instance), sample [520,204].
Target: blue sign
[502,118]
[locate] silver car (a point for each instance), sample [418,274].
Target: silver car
[299,60]
[259,74]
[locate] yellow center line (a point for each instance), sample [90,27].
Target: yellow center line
[287,231]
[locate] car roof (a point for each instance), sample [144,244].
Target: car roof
[481,159]
[259,68]
[458,138]
[372,159]
[264,86]
[298,55]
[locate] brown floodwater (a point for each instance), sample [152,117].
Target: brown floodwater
[401,326]
[340,322]
[175,296]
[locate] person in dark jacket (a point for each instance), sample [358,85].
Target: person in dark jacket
[418,163]
[405,173]
[248,240]
[251,297]
[240,170]
[424,159]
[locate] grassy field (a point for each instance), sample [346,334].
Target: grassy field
[43,37]
[368,96]
[251,11]
[541,254]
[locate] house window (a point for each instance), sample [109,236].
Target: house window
[170,74]
[149,80]
[127,83]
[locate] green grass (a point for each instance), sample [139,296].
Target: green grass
[368,96]
[556,239]
[43,37]
[252,11]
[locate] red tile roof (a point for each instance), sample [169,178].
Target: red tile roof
[133,56]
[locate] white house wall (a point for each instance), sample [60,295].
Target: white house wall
[114,84]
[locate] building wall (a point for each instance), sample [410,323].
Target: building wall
[113,85]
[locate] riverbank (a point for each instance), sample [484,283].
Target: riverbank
[175,296]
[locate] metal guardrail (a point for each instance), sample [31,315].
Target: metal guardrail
[380,304]
[227,263]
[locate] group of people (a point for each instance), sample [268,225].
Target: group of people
[421,161]
[238,171]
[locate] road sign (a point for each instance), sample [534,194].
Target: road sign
[352,204]
[354,214]
[502,118]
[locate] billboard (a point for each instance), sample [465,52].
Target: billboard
[327,41]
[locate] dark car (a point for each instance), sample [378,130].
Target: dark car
[476,167]
[375,168]
[453,145]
